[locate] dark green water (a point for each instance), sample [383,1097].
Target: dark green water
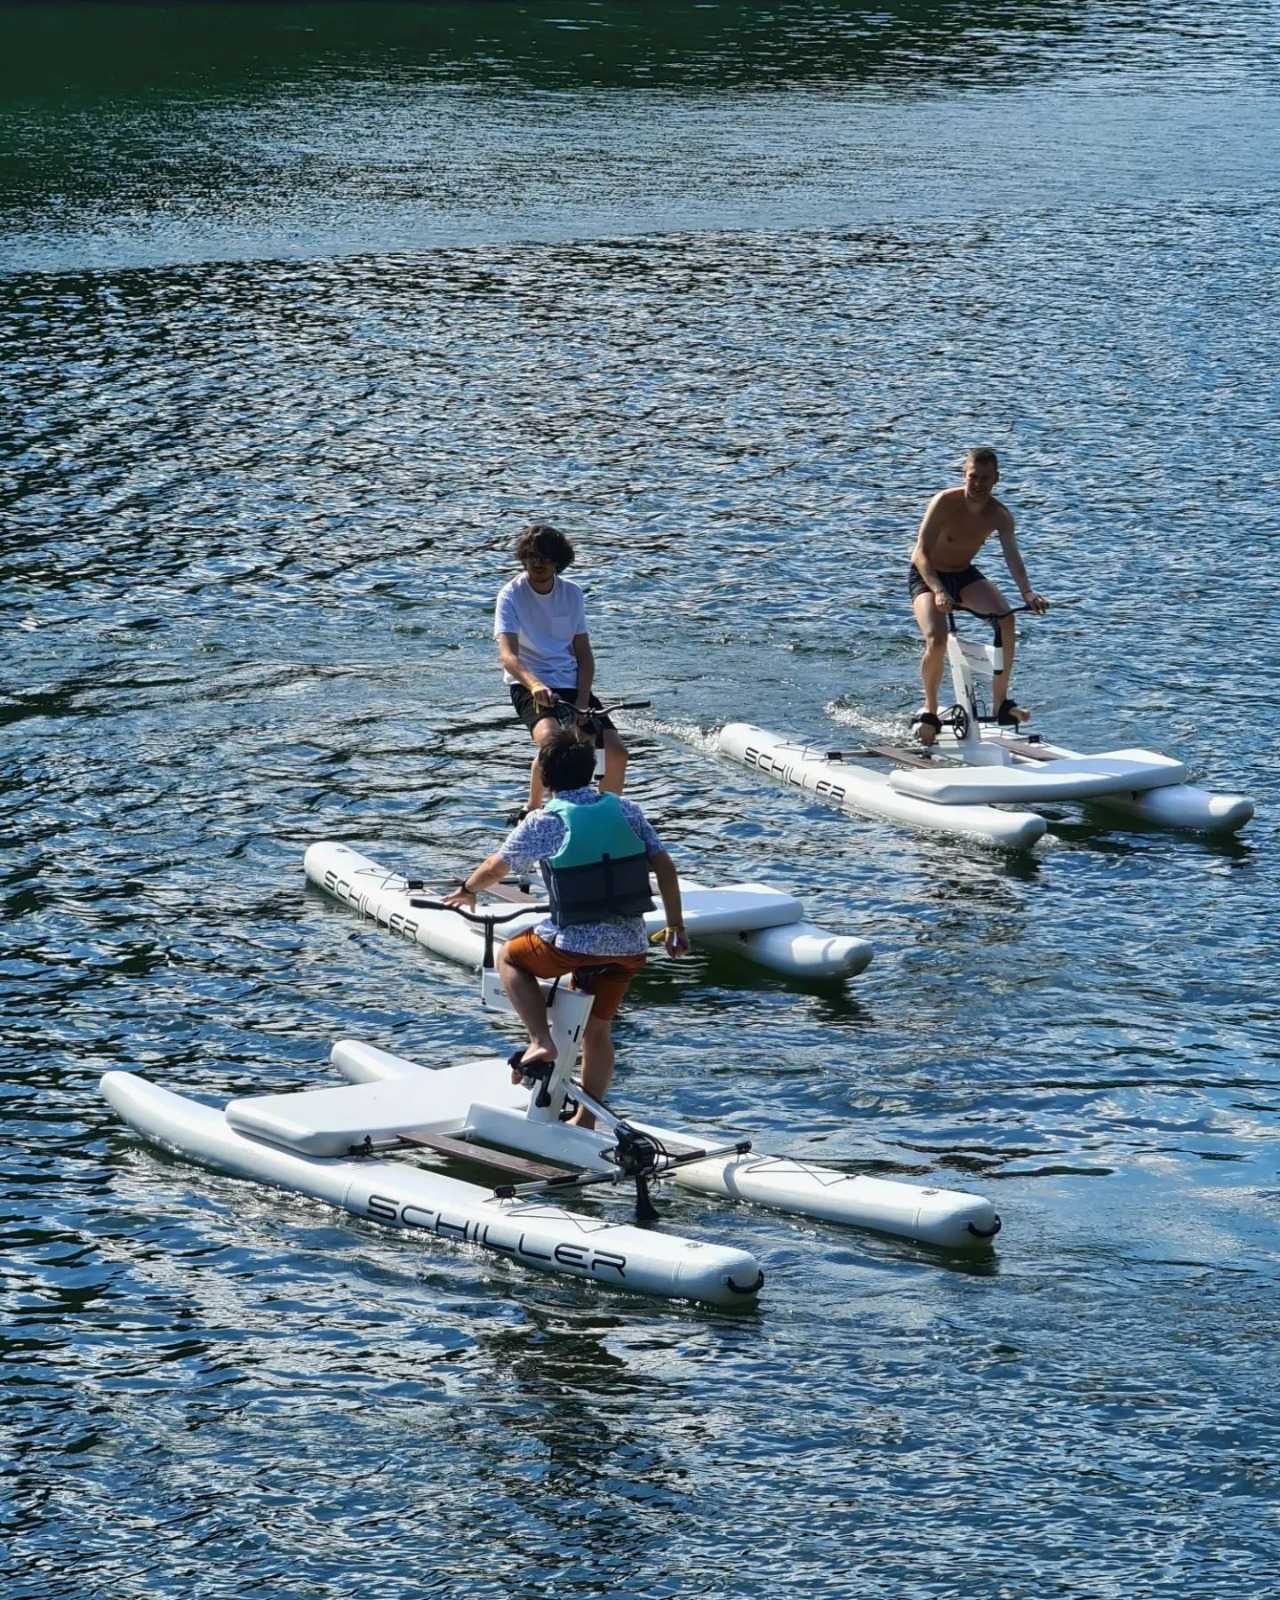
[304,310]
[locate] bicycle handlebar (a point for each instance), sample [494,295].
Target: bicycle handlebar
[600,711]
[492,918]
[994,616]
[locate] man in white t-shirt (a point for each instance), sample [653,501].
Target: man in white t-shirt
[540,623]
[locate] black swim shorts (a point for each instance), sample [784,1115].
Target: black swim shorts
[952,582]
[531,713]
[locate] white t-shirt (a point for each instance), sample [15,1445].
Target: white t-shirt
[545,626]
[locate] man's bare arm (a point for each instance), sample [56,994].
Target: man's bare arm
[490,871]
[664,870]
[1017,568]
[581,647]
[509,656]
[926,545]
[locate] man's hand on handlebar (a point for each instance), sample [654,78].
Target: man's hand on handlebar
[490,871]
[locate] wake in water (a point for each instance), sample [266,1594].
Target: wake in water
[706,740]
[880,728]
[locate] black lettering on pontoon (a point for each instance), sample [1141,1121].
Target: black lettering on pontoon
[572,1257]
[607,1259]
[486,1237]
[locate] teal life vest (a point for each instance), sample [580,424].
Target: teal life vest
[601,870]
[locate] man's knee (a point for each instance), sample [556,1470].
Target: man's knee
[930,621]
[509,970]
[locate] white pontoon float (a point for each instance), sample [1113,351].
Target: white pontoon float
[978,765]
[340,1145]
[762,924]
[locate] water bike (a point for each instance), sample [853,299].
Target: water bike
[360,1145]
[764,925]
[980,763]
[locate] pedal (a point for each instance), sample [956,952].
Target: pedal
[531,1072]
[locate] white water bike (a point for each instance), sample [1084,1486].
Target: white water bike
[979,764]
[763,925]
[359,1146]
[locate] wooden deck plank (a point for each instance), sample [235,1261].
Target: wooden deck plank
[904,757]
[512,894]
[463,1149]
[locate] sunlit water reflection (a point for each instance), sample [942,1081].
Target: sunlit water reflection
[309,307]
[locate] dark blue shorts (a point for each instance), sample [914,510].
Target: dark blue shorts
[952,582]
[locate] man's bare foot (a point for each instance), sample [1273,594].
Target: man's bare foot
[1011,714]
[534,1055]
[928,725]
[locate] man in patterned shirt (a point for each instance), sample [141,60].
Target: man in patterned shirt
[596,852]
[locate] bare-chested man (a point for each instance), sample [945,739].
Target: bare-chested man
[955,526]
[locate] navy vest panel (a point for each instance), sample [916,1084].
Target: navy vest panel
[601,870]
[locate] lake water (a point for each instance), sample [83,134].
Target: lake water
[305,310]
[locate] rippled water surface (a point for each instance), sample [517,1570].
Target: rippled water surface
[305,309]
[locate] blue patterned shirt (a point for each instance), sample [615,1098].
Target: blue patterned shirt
[539,836]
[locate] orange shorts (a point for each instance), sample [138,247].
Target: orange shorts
[605,977]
